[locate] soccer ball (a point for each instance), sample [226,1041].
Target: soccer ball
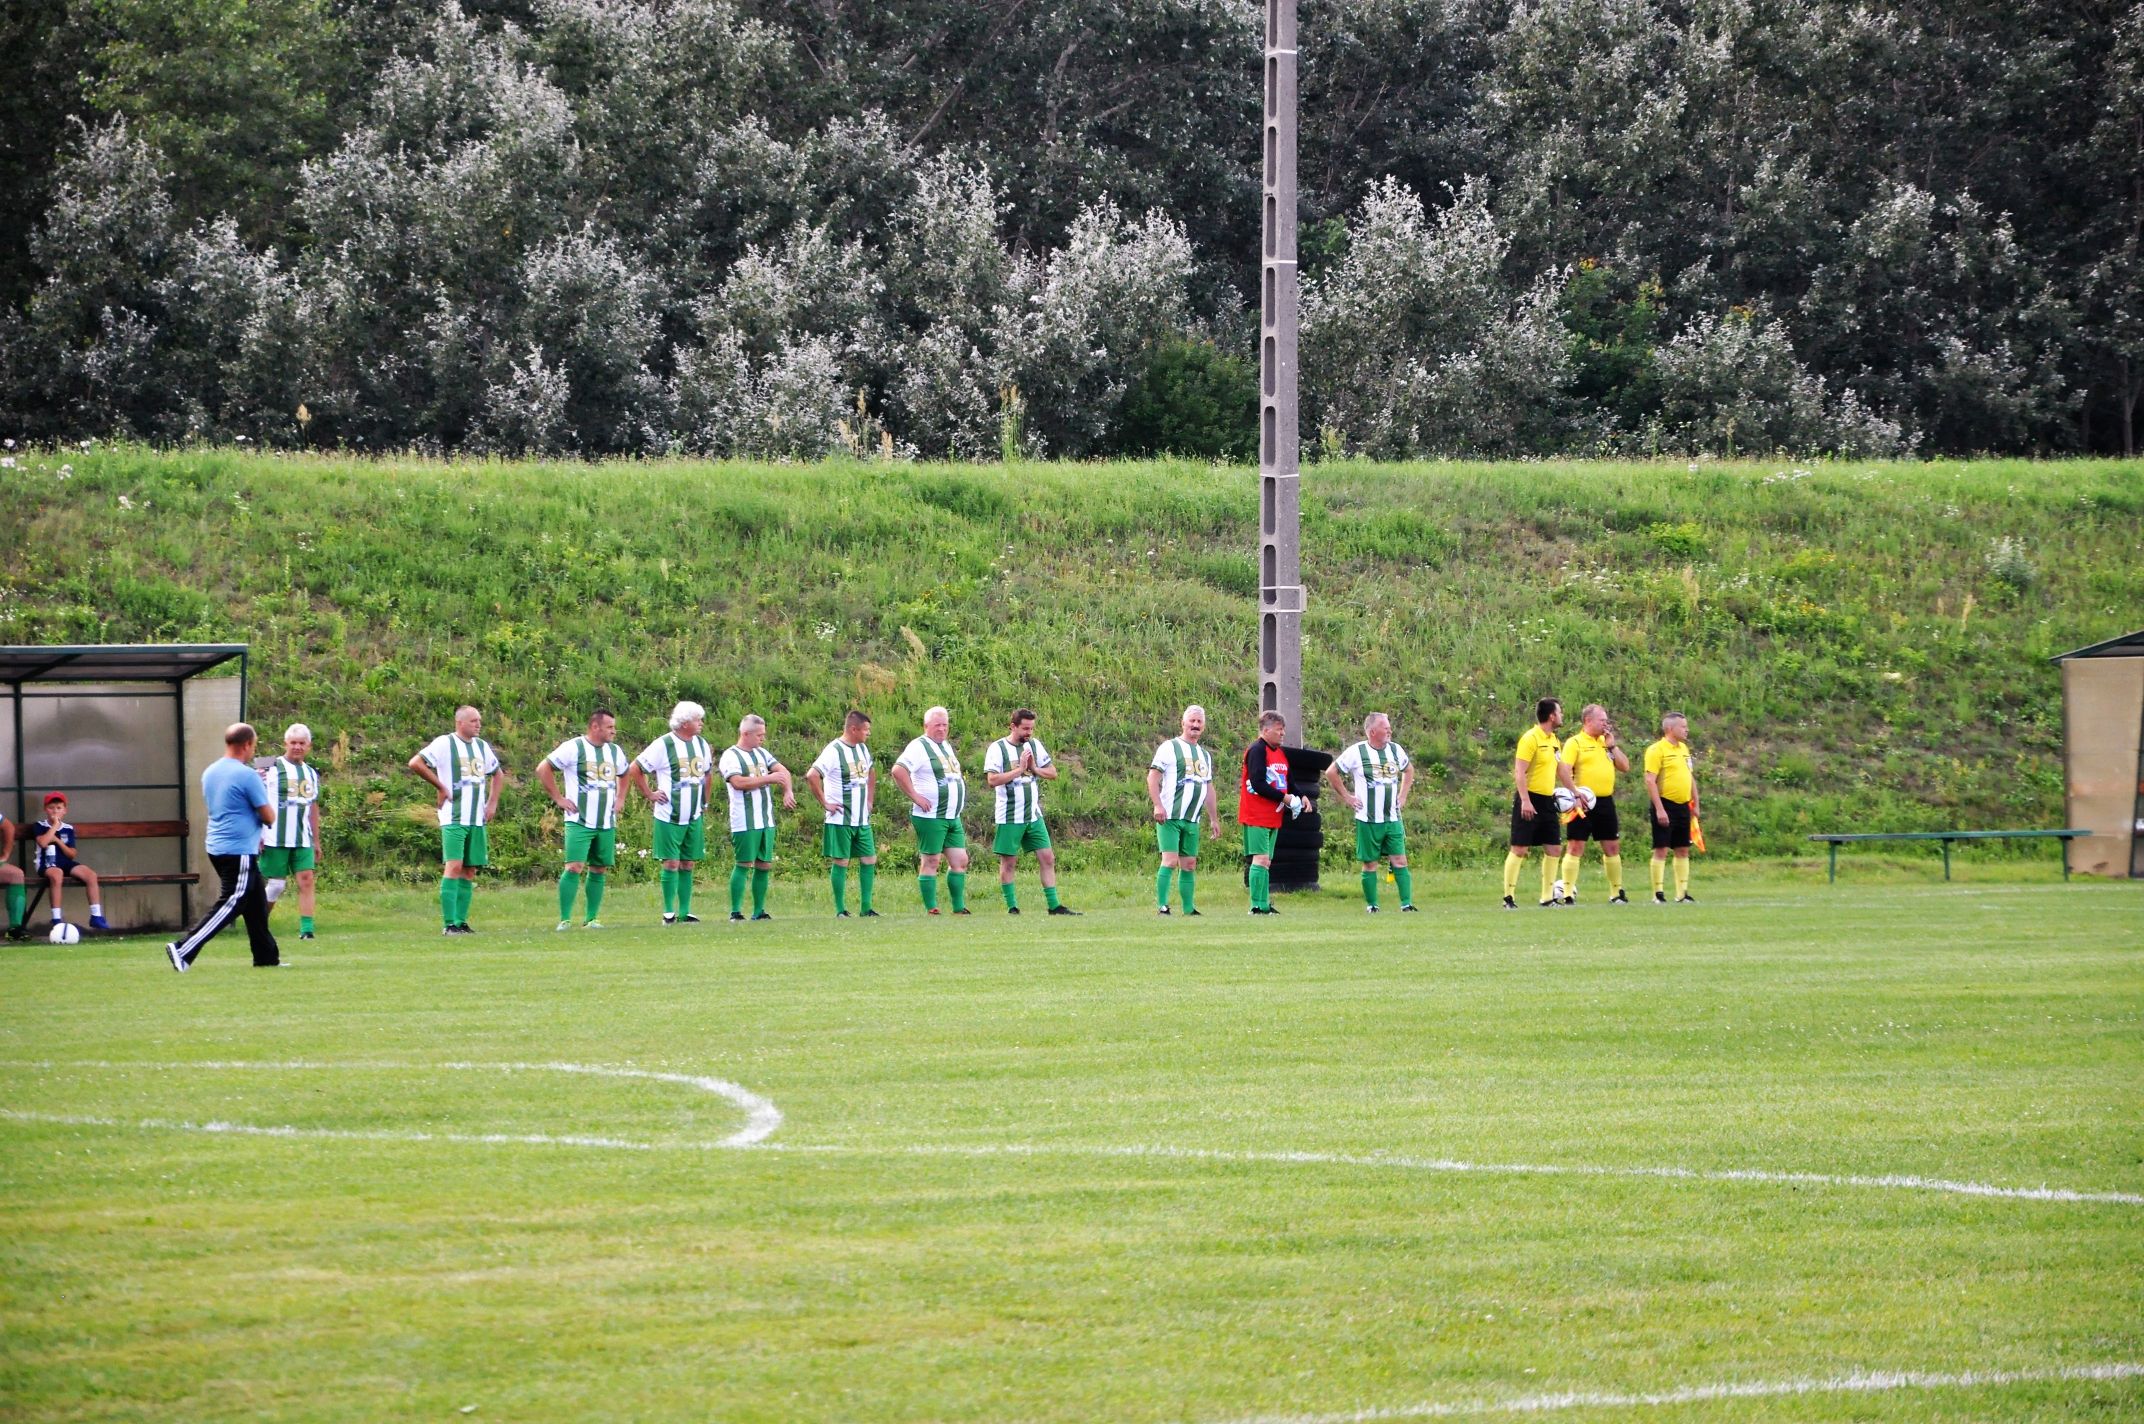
[1586,798]
[1565,800]
[64,933]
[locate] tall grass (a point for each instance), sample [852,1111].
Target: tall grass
[1858,644]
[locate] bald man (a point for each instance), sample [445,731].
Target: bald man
[1179,788]
[929,775]
[464,772]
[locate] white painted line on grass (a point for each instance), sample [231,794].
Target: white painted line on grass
[1873,1382]
[763,1118]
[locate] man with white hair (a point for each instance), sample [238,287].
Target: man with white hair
[682,763]
[751,773]
[1383,777]
[928,773]
[290,846]
[465,772]
[1179,787]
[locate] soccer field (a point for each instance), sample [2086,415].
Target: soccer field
[1779,1155]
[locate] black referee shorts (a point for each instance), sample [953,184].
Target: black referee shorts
[1599,824]
[1675,835]
[1546,827]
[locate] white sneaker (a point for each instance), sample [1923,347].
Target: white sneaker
[178,961]
[1369,909]
[565,924]
[593,925]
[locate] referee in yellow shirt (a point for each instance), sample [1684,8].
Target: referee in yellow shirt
[1535,771]
[1594,759]
[1671,784]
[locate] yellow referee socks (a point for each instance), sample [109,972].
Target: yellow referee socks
[1571,863]
[1682,876]
[1660,874]
[1613,864]
[1512,862]
[1548,874]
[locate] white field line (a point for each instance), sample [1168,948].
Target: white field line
[763,1118]
[1873,1382]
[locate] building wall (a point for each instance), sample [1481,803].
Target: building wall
[2103,716]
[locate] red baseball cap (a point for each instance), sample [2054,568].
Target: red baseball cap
[52,796]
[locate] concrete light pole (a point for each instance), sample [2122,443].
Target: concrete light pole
[1280,576]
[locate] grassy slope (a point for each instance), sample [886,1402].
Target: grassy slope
[1847,652]
[1985,1032]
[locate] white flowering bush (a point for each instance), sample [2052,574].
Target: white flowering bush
[1731,384]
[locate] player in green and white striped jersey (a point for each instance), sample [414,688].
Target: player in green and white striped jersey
[1383,777]
[751,773]
[929,773]
[683,765]
[1016,766]
[845,781]
[290,844]
[595,776]
[465,771]
[1179,784]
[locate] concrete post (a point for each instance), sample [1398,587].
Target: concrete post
[1280,577]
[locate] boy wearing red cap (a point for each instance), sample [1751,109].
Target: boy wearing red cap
[58,862]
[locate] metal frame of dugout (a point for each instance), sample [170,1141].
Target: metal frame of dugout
[117,727]
[2103,755]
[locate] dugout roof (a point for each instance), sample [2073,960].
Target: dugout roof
[115,662]
[2129,645]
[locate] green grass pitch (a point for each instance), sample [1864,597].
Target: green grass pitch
[1102,1169]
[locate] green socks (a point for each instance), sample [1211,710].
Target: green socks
[684,894]
[1187,879]
[468,894]
[1161,885]
[738,876]
[759,890]
[569,890]
[305,924]
[928,884]
[839,874]
[1405,879]
[957,882]
[447,898]
[1011,894]
[866,883]
[18,905]
[1049,896]
[1369,888]
[669,892]
[595,893]
[1261,887]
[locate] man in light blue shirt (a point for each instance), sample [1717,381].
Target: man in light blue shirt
[238,807]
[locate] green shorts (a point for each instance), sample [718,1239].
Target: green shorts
[935,834]
[279,862]
[1379,840]
[849,843]
[1016,836]
[686,842]
[753,845]
[1178,837]
[591,847]
[1260,840]
[467,844]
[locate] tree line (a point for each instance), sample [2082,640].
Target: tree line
[982,228]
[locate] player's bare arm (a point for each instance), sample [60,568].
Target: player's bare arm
[425,773]
[1652,791]
[1339,786]
[1406,787]
[1519,768]
[548,777]
[907,783]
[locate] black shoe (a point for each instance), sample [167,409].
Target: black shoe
[1192,915]
[736,917]
[1618,898]
[1163,910]
[305,934]
[964,912]
[762,915]
[1409,910]
[669,919]
[688,919]
[871,915]
[463,929]
[1552,904]
[18,932]
[1570,900]
[1510,904]
[1686,898]
[841,914]
[1660,897]
[1064,910]
[1012,909]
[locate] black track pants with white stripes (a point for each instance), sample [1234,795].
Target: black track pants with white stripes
[242,894]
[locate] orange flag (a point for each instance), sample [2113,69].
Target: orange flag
[1697,836]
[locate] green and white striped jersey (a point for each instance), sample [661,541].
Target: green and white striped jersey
[749,810]
[1019,800]
[1186,778]
[680,766]
[293,790]
[1376,774]
[934,770]
[591,777]
[845,769]
[466,768]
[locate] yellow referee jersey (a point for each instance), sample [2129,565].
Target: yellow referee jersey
[1670,762]
[1539,749]
[1592,765]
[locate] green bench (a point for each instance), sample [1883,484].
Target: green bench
[1948,837]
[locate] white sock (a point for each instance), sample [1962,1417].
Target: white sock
[56,915]
[275,891]
[96,910]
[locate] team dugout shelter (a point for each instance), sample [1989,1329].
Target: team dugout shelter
[123,730]
[2103,755]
